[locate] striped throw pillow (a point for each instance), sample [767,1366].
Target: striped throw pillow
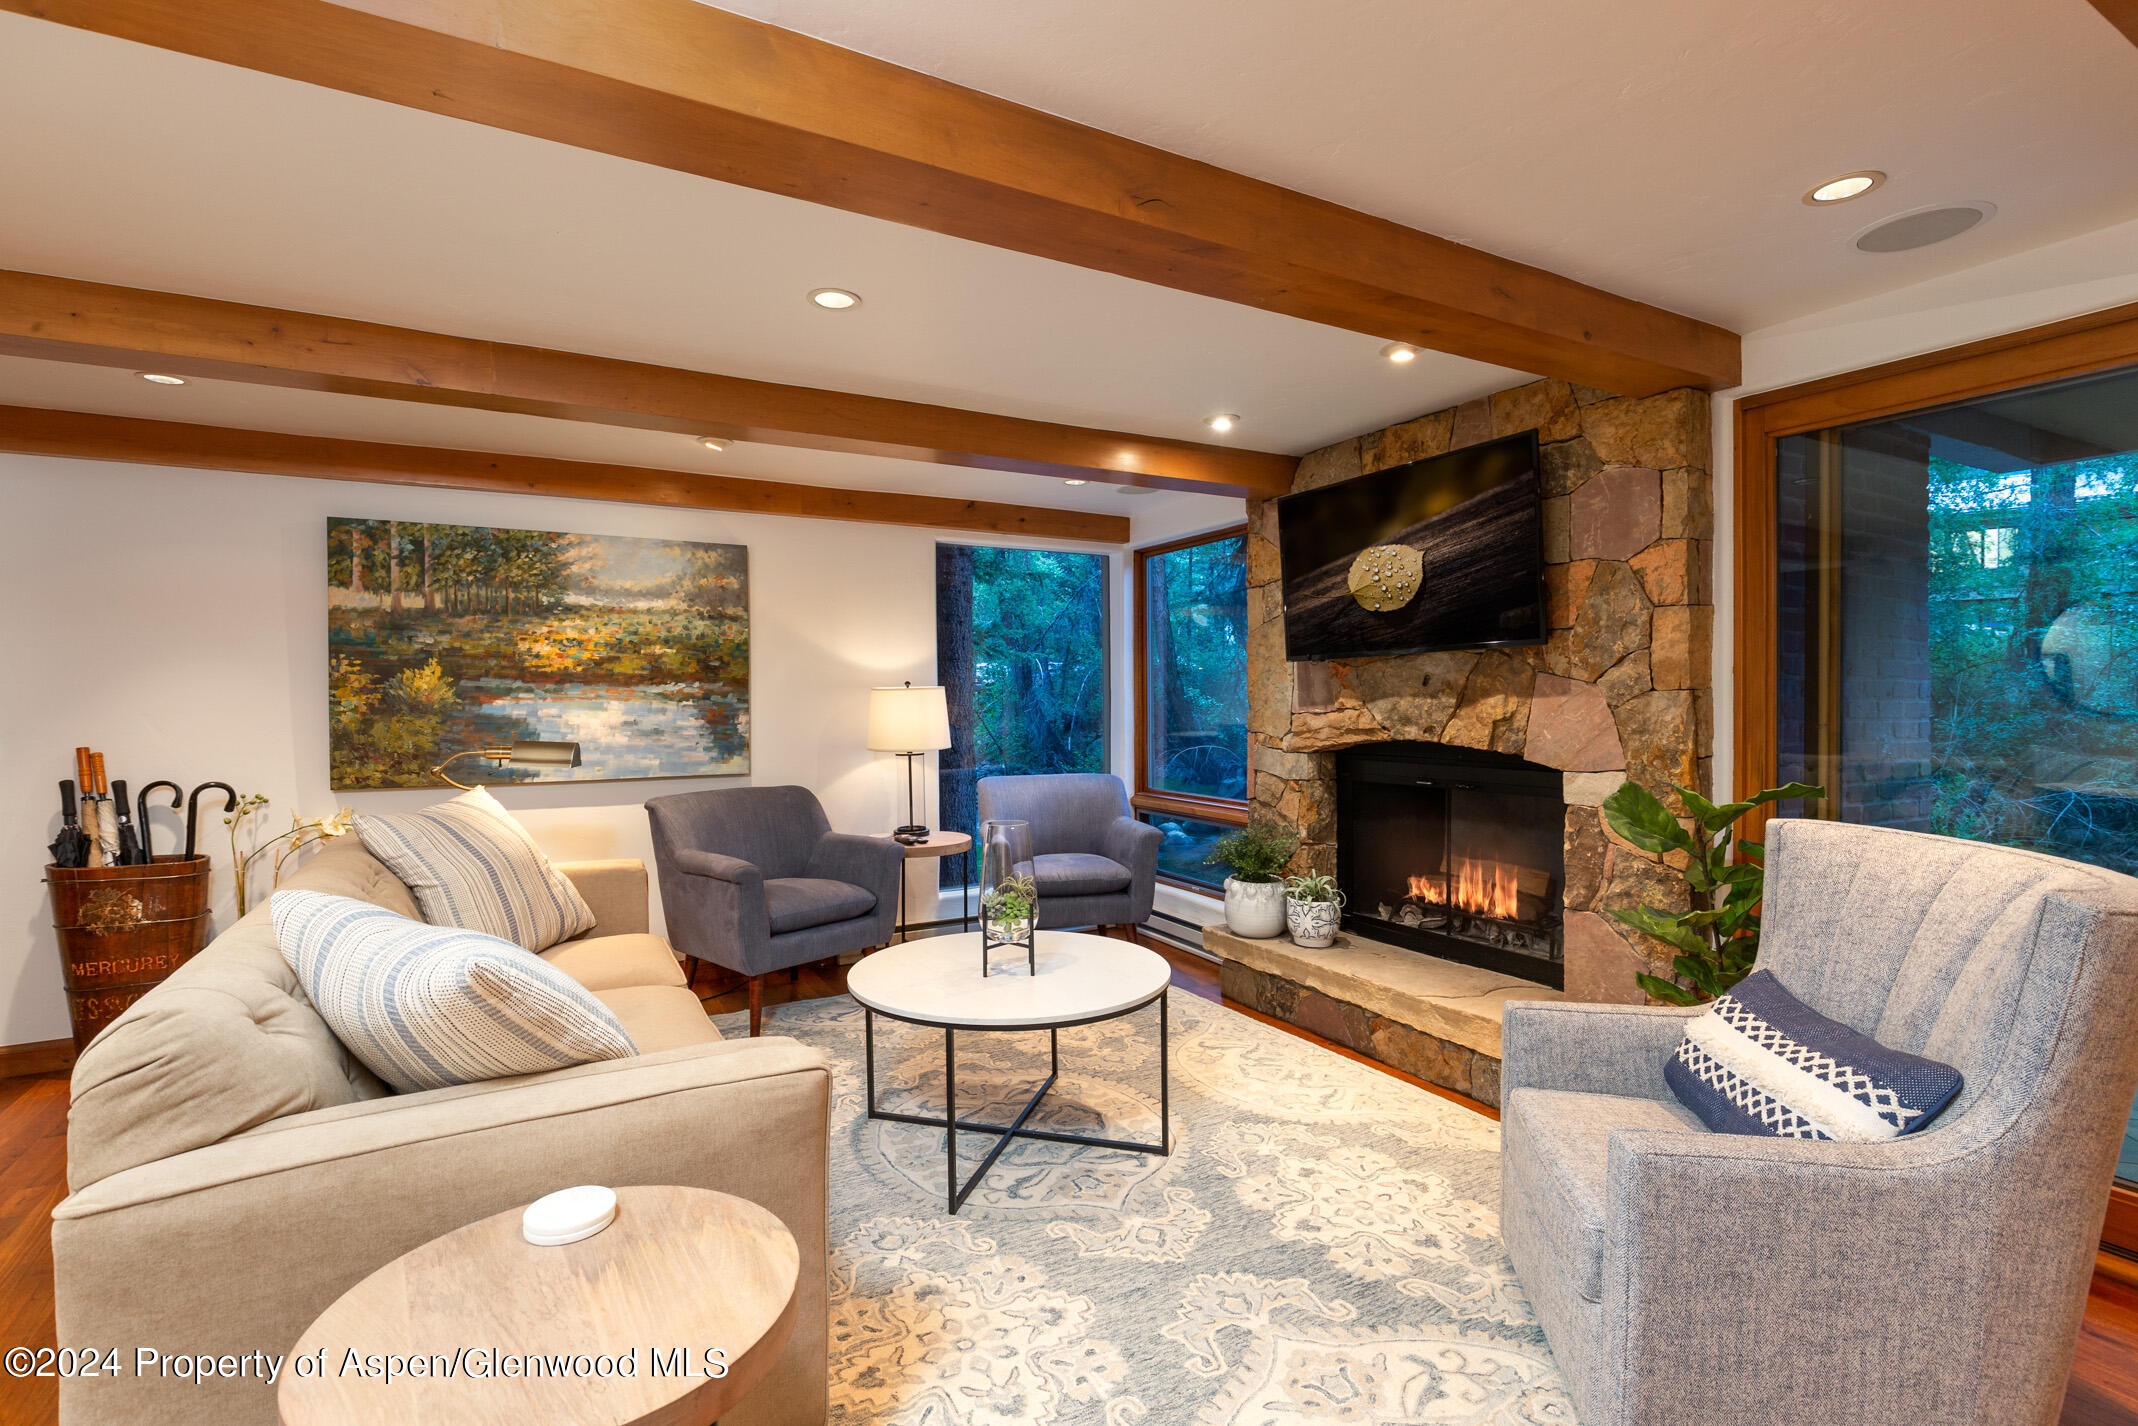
[428,1006]
[1761,1061]
[469,864]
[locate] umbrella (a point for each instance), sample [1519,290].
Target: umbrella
[71,847]
[178,800]
[107,828]
[129,845]
[193,808]
[85,775]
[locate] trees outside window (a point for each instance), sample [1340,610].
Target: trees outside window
[1191,693]
[1021,652]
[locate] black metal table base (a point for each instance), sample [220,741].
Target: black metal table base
[950,1123]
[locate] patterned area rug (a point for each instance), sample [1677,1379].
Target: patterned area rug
[1322,1245]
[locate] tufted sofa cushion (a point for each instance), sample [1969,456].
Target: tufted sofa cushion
[226,1044]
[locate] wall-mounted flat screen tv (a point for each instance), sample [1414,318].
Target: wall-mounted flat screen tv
[1442,553]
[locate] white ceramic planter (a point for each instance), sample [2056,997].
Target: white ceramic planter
[1313,923]
[1254,909]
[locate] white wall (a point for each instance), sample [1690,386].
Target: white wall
[2047,284]
[174,619]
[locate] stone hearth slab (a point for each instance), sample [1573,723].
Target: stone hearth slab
[1456,1003]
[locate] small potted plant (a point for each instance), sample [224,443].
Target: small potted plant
[1254,893]
[1006,914]
[1311,904]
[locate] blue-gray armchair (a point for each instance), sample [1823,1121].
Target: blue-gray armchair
[1094,863]
[754,879]
[1686,1278]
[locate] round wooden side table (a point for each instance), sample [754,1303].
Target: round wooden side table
[939,844]
[681,1270]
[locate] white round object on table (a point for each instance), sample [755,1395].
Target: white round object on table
[568,1215]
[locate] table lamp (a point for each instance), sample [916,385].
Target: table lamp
[911,722]
[520,754]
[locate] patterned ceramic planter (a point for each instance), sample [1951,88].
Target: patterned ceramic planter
[1254,909]
[1313,923]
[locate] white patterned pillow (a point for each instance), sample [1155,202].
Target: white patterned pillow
[1761,1061]
[428,1006]
[469,864]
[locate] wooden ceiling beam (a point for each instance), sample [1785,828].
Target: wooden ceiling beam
[685,86]
[2123,14]
[85,436]
[60,319]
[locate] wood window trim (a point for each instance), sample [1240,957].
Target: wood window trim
[2077,346]
[1223,810]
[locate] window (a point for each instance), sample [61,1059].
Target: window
[1947,600]
[1191,695]
[1021,652]
[1988,549]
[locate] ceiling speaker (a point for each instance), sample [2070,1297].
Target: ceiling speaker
[1923,227]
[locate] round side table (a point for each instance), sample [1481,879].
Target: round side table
[938,845]
[681,1270]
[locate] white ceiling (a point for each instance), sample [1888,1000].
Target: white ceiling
[1656,149]
[132,165]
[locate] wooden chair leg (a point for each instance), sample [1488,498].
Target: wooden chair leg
[757,1004]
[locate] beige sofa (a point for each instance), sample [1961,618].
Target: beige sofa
[233,1170]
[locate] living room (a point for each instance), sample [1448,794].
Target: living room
[617,616]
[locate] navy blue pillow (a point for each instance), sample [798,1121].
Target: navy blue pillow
[1760,1061]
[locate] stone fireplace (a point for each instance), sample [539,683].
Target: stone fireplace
[1621,690]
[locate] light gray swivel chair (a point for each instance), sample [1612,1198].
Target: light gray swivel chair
[1094,863]
[755,880]
[1686,1278]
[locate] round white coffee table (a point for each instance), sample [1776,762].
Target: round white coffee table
[1079,980]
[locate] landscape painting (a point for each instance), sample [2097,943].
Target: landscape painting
[443,638]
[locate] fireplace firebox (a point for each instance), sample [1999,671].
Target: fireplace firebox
[1454,852]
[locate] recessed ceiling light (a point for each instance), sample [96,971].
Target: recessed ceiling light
[712,443]
[1073,482]
[1134,490]
[1401,353]
[1847,186]
[837,299]
[1222,422]
[161,378]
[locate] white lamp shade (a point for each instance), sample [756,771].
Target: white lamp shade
[908,719]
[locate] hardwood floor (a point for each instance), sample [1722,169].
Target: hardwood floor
[33,1127]
[33,1179]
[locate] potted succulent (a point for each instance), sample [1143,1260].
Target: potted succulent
[1254,893]
[1311,906]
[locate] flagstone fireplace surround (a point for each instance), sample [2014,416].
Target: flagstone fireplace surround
[1621,690]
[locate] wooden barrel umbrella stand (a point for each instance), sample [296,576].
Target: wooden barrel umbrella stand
[122,929]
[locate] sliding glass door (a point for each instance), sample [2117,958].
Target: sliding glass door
[1956,648]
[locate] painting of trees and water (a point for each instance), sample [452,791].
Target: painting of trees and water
[442,638]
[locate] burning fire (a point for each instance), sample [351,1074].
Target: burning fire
[1481,888]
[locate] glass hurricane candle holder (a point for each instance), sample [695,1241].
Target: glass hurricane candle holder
[1009,900]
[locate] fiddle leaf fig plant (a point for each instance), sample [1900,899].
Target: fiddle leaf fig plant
[1717,938]
[1256,852]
